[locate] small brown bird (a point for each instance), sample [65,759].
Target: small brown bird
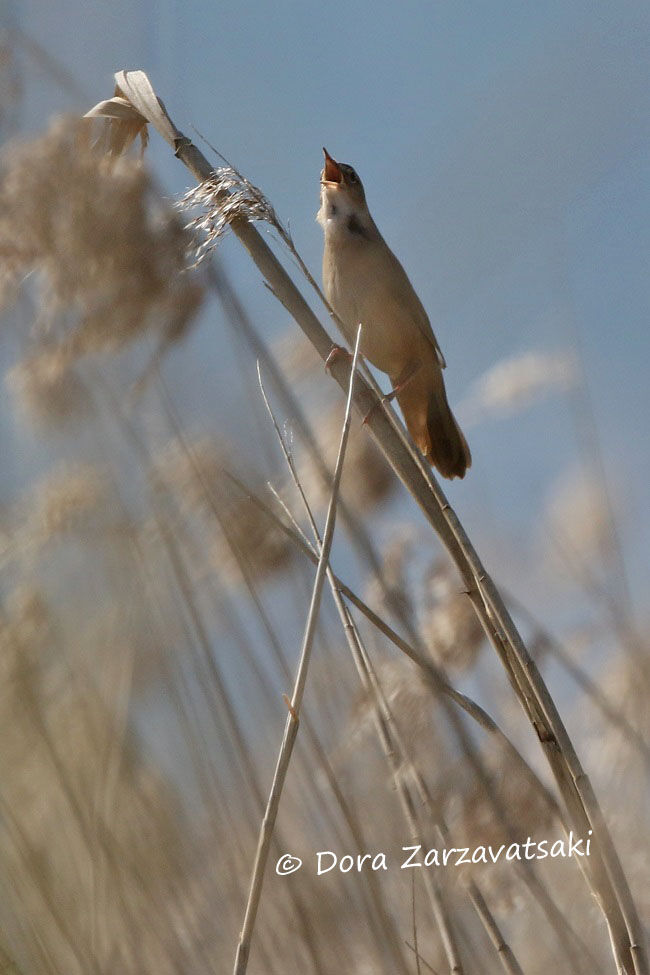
[365,283]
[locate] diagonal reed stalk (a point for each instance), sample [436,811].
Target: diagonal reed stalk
[295,704]
[607,880]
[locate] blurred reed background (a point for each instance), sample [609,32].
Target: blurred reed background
[153,608]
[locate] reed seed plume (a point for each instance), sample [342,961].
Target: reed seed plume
[515,383]
[367,479]
[48,391]
[578,519]
[452,633]
[196,472]
[107,254]
[193,469]
[517,792]
[224,197]
[295,356]
[391,588]
[70,500]
[409,697]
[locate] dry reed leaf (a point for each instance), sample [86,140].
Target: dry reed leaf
[127,113]
[124,125]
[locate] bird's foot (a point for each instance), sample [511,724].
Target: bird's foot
[375,406]
[389,397]
[337,352]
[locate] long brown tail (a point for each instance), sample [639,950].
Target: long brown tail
[431,423]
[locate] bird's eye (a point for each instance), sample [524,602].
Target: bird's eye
[352,176]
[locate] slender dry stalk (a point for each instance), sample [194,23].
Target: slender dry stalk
[295,704]
[415,926]
[426,964]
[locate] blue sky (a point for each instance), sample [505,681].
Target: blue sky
[504,149]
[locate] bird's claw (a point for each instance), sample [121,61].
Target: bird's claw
[336,352]
[375,406]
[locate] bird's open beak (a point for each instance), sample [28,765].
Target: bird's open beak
[332,171]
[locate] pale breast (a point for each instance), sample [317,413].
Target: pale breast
[339,292]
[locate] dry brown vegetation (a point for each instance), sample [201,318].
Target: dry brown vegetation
[155,591]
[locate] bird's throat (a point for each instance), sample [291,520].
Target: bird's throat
[342,221]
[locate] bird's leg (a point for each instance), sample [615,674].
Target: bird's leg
[336,352]
[404,379]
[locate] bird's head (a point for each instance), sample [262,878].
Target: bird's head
[341,194]
[338,177]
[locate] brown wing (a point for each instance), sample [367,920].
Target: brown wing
[398,280]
